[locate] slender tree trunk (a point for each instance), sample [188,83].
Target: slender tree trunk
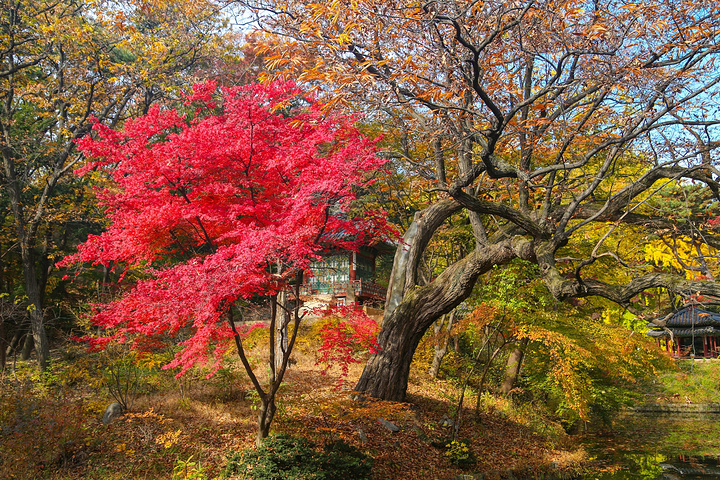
[440,349]
[37,326]
[441,342]
[266,414]
[27,347]
[281,330]
[17,338]
[512,371]
[265,418]
[3,344]
[25,233]
[483,376]
[45,266]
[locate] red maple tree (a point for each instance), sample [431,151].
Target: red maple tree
[222,204]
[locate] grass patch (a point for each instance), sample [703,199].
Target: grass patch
[695,381]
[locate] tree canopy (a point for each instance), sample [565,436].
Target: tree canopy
[62,63]
[222,205]
[538,119]
[226,205]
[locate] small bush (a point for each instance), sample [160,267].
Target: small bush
[459,453]
[345,462]
[282,457]
[188,470]
[127,372]
[40,434]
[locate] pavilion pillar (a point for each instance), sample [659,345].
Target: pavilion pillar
[353,265]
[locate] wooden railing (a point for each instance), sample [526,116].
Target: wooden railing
[359,288]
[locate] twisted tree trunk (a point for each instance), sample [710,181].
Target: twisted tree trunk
[386,374]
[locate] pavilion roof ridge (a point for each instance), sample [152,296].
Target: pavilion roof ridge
[690,316]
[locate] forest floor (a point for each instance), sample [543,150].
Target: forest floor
[51,427]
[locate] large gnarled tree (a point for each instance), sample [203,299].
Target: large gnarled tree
[537,118]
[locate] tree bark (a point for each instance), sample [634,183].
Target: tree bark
[265,417]
[25,234]
[512,371]
[37,326]
[386,374]
[2,344]
[15,341]
[483,376]
[281,330]
[266,414]
[408,256]
[27,347]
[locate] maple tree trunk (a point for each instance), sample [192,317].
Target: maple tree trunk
[386,374]
[265,418]
[267,410]
[281,330]
[512,370]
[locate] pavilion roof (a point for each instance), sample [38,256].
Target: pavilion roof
[685,332]
[687,322]
[693,316]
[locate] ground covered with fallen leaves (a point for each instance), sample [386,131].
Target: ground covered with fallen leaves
[184,428]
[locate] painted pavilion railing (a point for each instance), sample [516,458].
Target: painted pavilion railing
[359,288]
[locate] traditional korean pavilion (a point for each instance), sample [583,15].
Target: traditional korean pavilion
[695,333]
[347,277]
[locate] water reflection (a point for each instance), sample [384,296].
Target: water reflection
[652,448]
[688,467]
[626,465]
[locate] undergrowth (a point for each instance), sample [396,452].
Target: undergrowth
[50,424]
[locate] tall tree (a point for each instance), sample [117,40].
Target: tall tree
[223,208]
[62,63]
[548,118]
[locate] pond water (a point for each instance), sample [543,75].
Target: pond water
[654,448]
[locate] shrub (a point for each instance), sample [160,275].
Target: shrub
[188,470]
[128,371]
[282,457]
[41,434]
[345,462]
[459,453]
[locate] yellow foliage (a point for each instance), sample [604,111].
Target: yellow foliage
[168,439]
[683,255]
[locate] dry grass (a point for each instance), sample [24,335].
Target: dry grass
[209,418]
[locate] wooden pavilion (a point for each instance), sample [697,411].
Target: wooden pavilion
[347,277]
[692,332]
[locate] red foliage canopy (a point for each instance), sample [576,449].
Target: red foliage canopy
[207,203]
